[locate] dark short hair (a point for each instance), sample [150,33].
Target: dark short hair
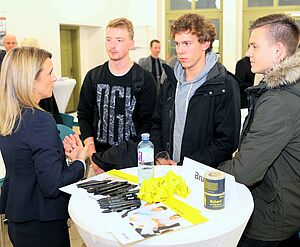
[154,41]
[280,28]
[197,25]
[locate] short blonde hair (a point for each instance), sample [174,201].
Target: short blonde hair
[122,23]
[20,68]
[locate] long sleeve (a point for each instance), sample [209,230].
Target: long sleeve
[227,123]
[258,149]
[156,130]
[146,103]
[87,107]
[48,158]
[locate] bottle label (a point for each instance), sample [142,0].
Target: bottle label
[146,155]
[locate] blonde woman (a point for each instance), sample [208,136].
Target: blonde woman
[33,153]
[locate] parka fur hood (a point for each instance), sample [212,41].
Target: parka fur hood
[285,73]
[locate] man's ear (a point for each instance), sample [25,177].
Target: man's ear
[205,45]
[131,44]
[280,51]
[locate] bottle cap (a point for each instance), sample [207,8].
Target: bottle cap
[145,136]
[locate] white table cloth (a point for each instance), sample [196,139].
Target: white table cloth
[224,227]
[62,91]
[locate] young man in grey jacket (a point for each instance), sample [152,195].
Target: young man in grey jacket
[268,159]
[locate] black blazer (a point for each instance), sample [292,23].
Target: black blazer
[35,170]
[243,72]
[2,55]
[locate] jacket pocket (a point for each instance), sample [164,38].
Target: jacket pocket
[265,193]
[266,217]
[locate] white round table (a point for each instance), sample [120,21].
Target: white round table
[62,91]
[224,227]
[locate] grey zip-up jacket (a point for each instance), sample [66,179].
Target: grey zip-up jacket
[268,160]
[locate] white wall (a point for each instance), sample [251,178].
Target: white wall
[232,33]
[91,48]
[41,19]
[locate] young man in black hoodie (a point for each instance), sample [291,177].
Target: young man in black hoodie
[112,107]
[198,114]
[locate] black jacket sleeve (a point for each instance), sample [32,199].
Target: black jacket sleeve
[146,103]
[243,72]
[157,129]
[87,106]
[117,157]
[227,127]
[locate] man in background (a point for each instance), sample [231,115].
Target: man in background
[244,73]
[153,63]
[268,159]
[113,107]
[9,42]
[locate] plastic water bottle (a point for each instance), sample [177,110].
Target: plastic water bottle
[145,151]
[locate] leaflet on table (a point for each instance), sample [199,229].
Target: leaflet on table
[147,221]
[193,173]
[151,219]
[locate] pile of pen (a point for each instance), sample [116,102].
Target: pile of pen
[119,194]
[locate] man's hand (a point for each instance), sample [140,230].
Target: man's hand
[91,150]
[96,168]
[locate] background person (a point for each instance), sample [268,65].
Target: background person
[244,73]
[153,63]
[9,42]
[33,153]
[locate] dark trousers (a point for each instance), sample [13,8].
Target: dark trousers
[293,241]
[39,234]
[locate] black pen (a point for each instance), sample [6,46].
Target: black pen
[120,209]
[100,188]
[124,193]
[92,182]
[121,191]
[119,204]
[107,190]
[119,199]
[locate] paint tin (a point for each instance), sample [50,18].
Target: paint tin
[214,202]
[214,190]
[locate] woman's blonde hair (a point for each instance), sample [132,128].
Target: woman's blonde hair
[20,68]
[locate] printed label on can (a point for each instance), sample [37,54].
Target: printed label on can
[214,182]
[214,201]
